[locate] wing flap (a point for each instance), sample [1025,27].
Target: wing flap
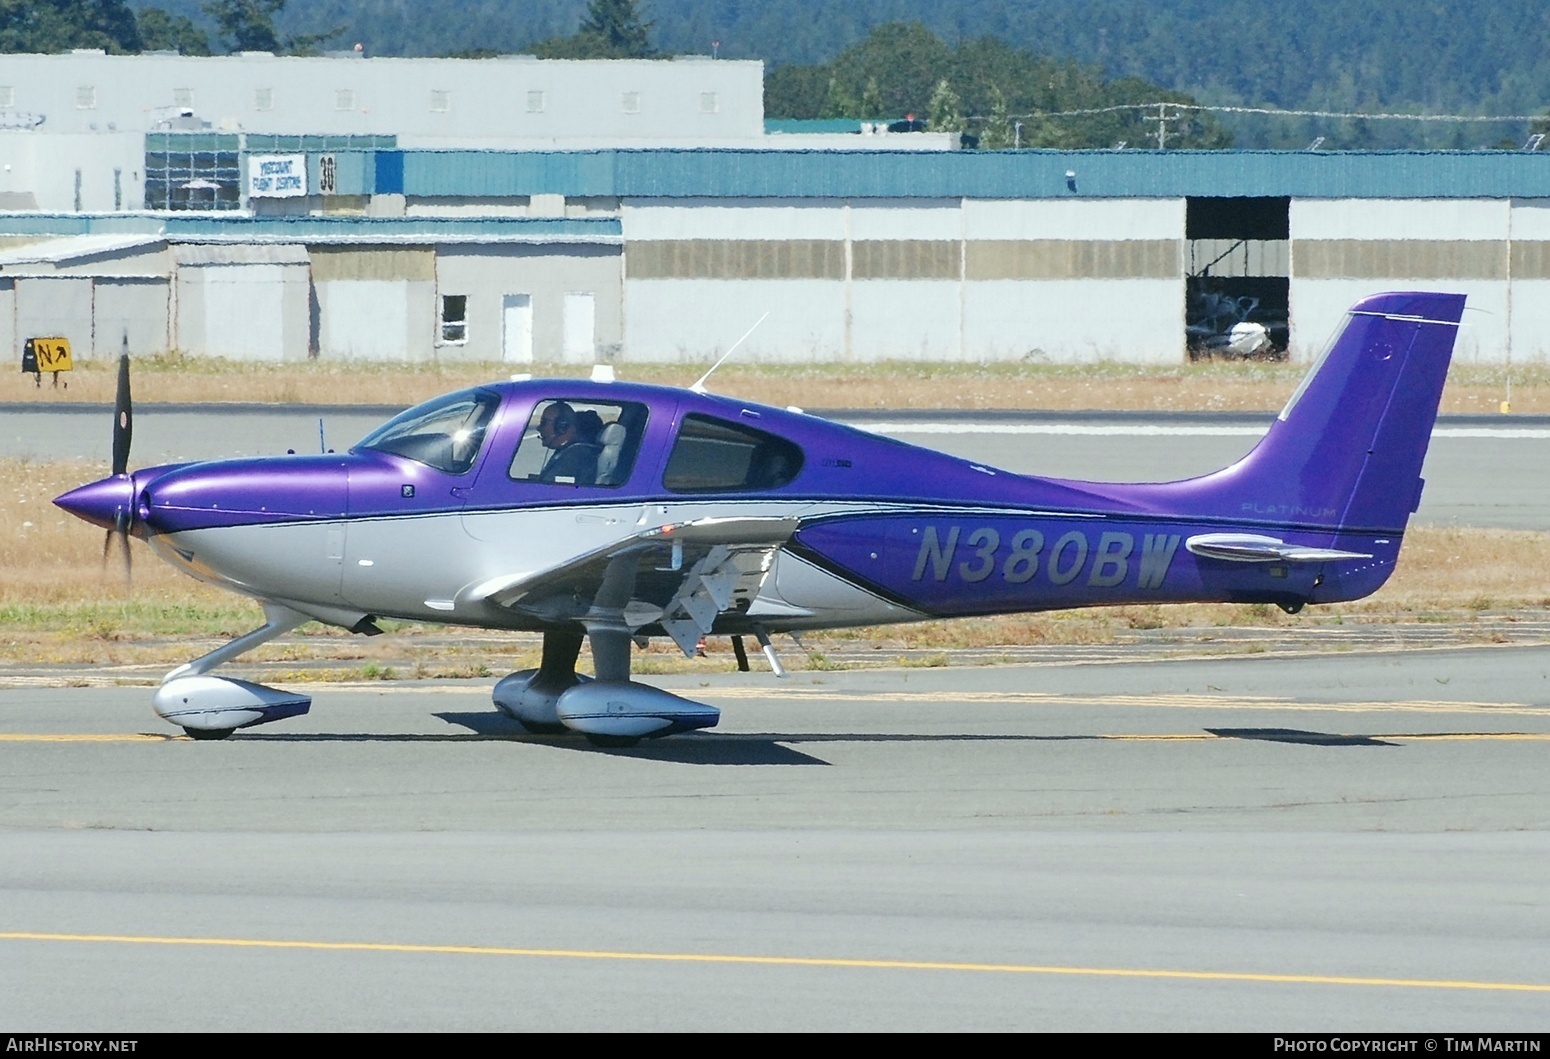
[681,575]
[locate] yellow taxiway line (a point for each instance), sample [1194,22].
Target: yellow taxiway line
[786,961]
[111,737]
[1132,737]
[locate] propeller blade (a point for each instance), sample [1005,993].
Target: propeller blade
[123,414]
[121,531]
[129,560]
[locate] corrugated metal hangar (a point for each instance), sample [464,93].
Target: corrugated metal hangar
[332,244]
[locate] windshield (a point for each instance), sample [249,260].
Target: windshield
[445,433]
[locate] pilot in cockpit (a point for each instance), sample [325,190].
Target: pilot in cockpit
[573,447]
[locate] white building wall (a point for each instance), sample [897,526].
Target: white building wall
[1399,219]
[1076,321]
[1073,218]
[10,342]
[133,307]
[1451,245]
[1528,330]
[906,218]
[45,164]
[1076,318]
[1059,280]
[374,319]
[244,311]
[425,102]
[907,320]
[55,305]
[487,273]
[698,320]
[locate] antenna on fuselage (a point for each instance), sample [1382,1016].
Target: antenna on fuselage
[699,385]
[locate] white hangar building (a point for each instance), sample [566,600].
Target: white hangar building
[385,240]
[72,125]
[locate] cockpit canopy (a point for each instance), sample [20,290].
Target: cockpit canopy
[445,433]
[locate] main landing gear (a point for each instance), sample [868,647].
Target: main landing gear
[611,710]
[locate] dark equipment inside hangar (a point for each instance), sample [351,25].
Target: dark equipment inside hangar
[1238,277]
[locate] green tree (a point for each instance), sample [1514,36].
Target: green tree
[945,112]
[246,25]
[619,25]
[997,133]
[162,31]
[45,26]
[986,86]
[611,29]
[838,102]
[872,100]
[904,60]
[795,91]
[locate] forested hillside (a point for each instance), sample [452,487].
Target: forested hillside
[1449,56]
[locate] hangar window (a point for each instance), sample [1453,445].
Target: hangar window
[192,171]
[629,102]
[86,97]
[454,319]
[708,103]
[7,96]
[344,99]
[441,100]
[576,442]
[182,97]
[535,102]
[263,99]
[714,456]
[445,433]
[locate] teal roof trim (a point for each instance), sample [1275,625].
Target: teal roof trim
[717,173]
[816,125]
[352,229]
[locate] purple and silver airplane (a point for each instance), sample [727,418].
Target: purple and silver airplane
[615,512]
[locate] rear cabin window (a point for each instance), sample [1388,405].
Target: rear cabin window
[714,456]
[572,442]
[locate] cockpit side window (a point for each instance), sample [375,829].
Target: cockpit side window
[575,442]
[715,456]
[445,433]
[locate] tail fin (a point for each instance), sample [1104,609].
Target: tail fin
[1347,450]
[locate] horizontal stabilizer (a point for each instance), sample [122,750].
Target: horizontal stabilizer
[1254,548]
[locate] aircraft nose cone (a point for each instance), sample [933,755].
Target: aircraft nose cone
[101,501]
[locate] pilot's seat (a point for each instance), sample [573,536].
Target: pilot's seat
[612,441]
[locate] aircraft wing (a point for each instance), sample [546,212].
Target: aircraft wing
[680,576]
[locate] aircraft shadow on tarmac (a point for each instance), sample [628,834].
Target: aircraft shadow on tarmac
[762,748]
[1293,735]
[690,749]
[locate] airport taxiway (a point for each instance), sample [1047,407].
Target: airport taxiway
[1351,842]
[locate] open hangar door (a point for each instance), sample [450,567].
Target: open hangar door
[1237,284]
